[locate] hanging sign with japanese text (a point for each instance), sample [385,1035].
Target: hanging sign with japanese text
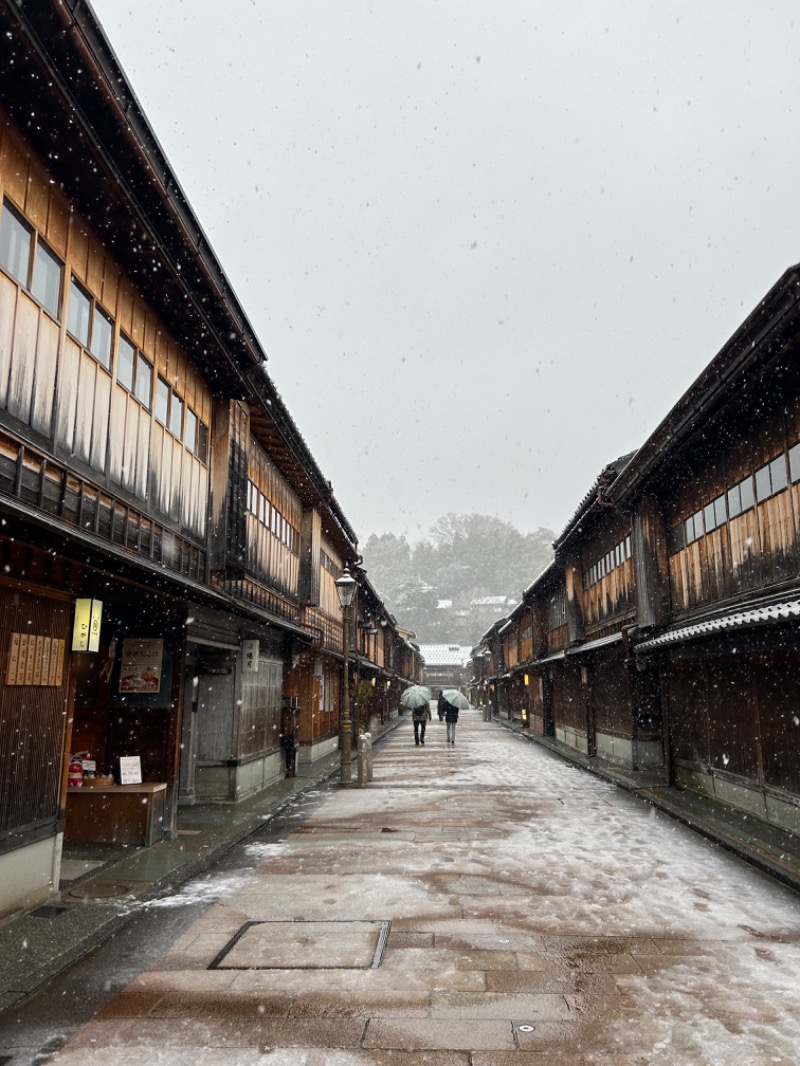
[250,656]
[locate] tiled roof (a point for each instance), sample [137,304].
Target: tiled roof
[776,612]
[445,654]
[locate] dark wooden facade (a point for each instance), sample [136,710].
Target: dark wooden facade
[667,633]
[146,461]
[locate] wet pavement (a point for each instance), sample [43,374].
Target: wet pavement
[482,904]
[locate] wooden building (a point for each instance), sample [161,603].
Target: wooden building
[149,474]
[665,633]
[714,495]
[446,666]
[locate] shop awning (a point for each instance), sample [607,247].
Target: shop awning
[557,656]
[787,611]
[593,645]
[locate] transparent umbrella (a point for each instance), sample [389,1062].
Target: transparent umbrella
[455,698]
[415,696]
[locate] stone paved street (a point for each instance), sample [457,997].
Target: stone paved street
[482,904]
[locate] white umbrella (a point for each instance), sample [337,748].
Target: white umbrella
[455,698]
[415,696]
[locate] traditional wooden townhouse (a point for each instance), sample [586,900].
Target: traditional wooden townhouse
[168,544]
[409,663]
[278,543]
[478,684]
[664,636]
[714,496]
[603,705]
[446,665]
[491,649]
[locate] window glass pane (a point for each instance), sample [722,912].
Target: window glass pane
[202,442]
[763,491]
[777,473]
[79,313]
[15,244]
[719,510]
[126,360]
[689,525]
[708,517]
[176,415]
[144,381]
[46,285]
[676,538]
[747,493]
[628,547]
[190,436]
[734,501]
[162,400]
[794,462]
[102,336]
[698,524]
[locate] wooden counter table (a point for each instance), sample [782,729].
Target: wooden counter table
[116,814]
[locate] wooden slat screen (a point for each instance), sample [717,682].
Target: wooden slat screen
[34,719]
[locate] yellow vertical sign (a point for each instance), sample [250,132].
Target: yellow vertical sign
[86,627]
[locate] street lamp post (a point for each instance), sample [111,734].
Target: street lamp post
[346,587]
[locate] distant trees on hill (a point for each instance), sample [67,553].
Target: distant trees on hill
[435,586]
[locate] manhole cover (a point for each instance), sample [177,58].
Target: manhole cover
[101,890]
[303,945]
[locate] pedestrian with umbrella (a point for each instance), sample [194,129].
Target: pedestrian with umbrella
[454,702]
[418,697]
[441,706]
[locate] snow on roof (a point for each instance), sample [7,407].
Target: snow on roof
[776,612]
[489,601]
[445,654]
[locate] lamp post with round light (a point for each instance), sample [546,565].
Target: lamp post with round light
[346,587]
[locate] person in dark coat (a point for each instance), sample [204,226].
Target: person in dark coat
[421,716]
[450,717]
[441,705]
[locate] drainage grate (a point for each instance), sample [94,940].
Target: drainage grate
[47,911]
[301,945]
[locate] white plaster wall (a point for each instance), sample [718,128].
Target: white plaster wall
[29,875]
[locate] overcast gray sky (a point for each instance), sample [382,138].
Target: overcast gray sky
[486,244]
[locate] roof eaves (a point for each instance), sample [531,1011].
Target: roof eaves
[711,389]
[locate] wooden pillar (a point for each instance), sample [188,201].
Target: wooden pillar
[651,566]
[573,580]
